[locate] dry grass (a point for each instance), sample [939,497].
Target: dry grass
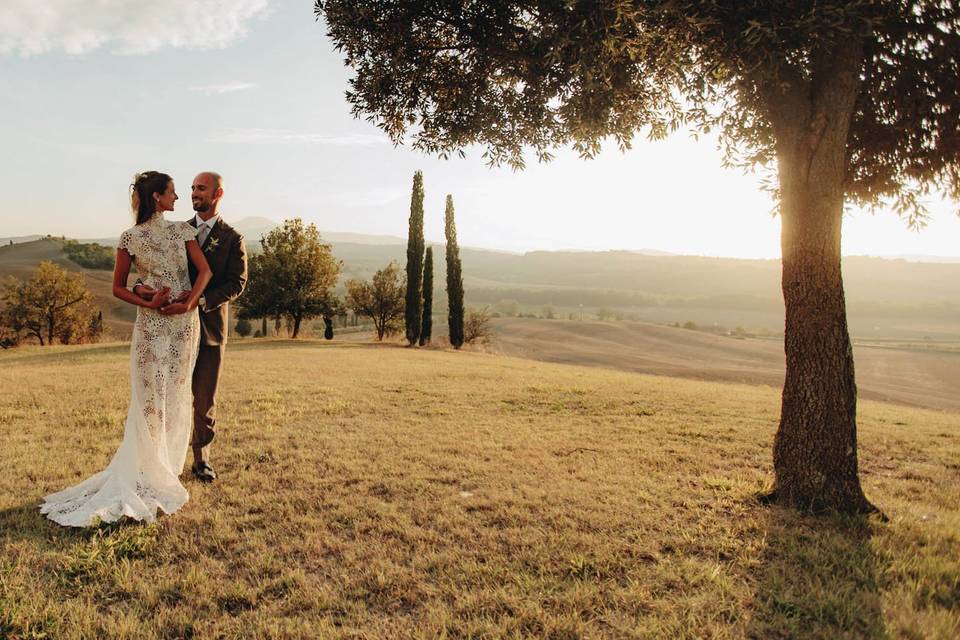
[381,492]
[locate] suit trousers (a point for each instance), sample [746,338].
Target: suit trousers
[206,375]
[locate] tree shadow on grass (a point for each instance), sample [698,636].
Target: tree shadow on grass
[818,578]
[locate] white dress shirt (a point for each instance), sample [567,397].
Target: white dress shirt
[204,227]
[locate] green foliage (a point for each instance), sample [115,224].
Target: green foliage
[381,300]
[243,327]
[90,256]
[512,75]
[293,276]
[415,244]
[54,304]
[426,329]
[454,279]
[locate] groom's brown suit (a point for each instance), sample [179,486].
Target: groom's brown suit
[226,253]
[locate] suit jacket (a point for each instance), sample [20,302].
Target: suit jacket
[226,253]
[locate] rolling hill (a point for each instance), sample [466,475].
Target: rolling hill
[923,378]
[885,298]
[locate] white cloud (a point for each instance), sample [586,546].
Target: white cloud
[291,136]
[31,27]
[226,87]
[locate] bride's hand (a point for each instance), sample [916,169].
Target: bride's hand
[160,297]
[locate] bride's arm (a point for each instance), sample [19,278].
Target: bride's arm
[203,277]
[203,273]
[121,271]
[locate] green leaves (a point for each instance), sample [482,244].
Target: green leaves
[293,275]
[520,77]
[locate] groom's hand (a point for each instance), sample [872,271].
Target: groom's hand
[183,296]
[174,308]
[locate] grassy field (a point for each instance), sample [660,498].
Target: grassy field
[379,492]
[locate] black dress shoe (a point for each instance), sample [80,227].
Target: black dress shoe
[204,472]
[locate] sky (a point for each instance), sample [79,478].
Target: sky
[93,92]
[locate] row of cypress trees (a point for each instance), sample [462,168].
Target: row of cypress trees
[419,302]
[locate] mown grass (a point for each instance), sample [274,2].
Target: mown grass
[379,492]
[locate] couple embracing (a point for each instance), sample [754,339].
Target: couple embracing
[188,273]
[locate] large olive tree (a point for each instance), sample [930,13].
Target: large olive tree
[854,101]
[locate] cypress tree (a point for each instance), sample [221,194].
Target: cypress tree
[454,279]
[426,330]
[414,260]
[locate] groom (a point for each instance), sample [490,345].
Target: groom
[226,253]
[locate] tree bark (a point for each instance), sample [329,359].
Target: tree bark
[815,449]
[296,325]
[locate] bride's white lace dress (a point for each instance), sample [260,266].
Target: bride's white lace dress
[144,473]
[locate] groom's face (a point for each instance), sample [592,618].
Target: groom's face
[204,192]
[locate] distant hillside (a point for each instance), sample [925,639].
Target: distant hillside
[885,297]
[921,377]
[20,260]
[19,239]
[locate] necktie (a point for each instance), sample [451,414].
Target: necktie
[204,232]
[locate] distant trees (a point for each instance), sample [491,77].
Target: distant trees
[53,305]
[426,328]
[476,326]
[259,300]
[90,256]
[292,277]
[507,307]
[381,300]
[604,313]
[454,279]
[243,327]
[415,244]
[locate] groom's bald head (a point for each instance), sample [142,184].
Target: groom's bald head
[206,192]
[211,177]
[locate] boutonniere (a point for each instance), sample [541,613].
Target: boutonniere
[212,245]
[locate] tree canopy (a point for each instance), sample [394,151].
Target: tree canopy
[293,276]
[533,74]
[381,299]
[53,304]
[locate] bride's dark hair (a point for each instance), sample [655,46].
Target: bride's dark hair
[141,193]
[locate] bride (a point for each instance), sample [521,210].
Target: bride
[144,473]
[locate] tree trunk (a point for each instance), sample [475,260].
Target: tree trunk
[263,326]
[49,329]
[815,450]
[297,319]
